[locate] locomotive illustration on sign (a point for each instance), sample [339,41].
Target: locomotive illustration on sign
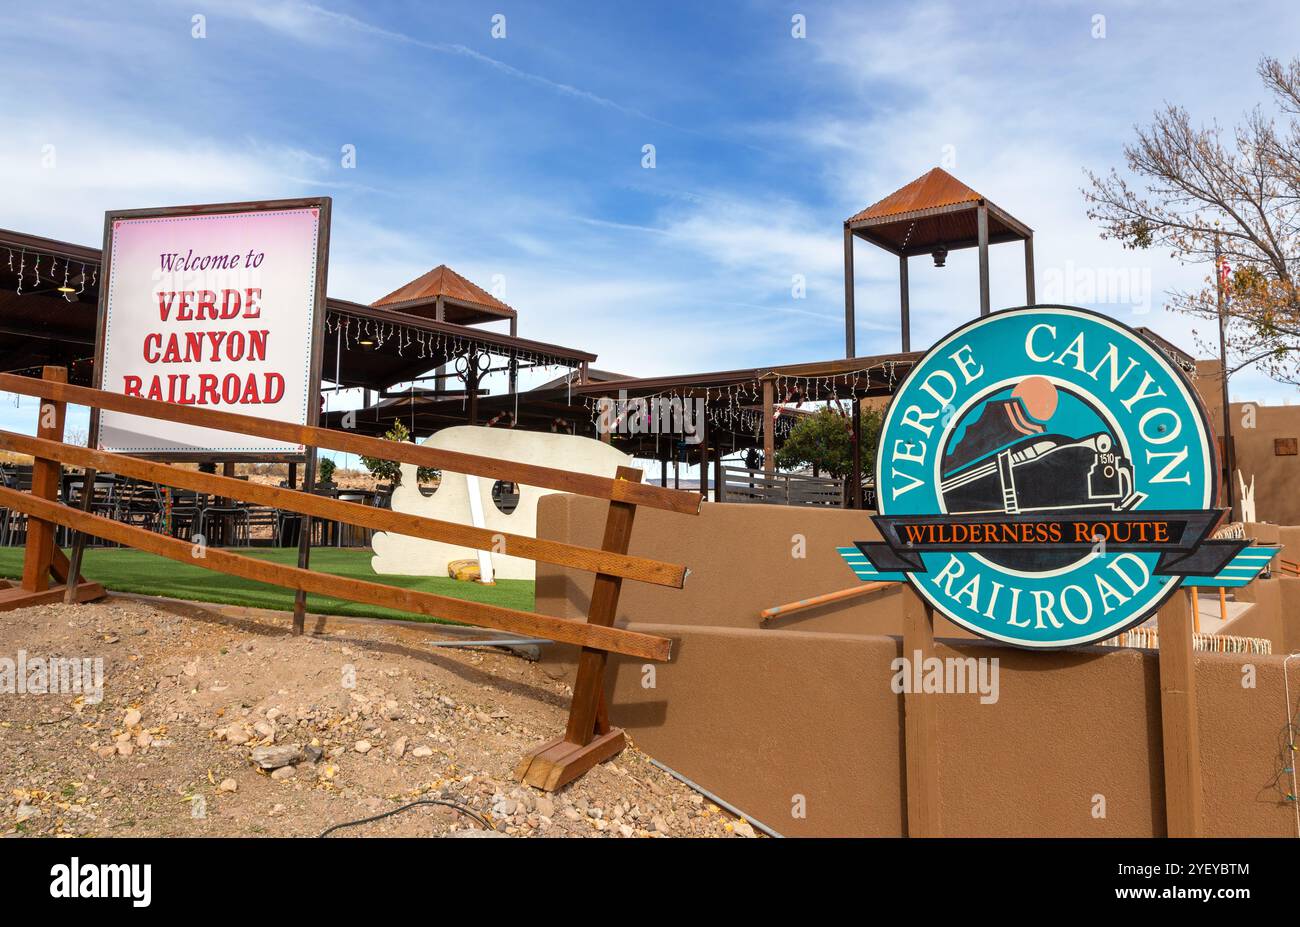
[1045,477]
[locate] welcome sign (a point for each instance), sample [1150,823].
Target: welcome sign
[214,306]
[1046,478]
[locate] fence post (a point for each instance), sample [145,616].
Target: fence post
[588,739]
[1178,716]
[45,483]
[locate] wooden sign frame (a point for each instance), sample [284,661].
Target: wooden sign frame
[319,300]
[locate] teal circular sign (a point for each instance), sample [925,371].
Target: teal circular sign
[1033,466]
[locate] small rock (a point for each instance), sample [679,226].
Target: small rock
[546,807]
[125,748]
[744,829]
[26,812]
[269,757]
[228,785]
[237,735]
[132,718]
[361,746]
[625,830]
[422,752]
[284,772]
[398,747]
[265,728]
[106,752]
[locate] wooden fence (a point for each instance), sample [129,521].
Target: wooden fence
[743,485]
[588,738]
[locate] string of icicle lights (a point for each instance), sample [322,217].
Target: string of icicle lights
[357,331]
[69,285]
[731,405]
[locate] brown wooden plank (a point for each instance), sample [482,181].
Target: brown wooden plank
[616,640]
[46,473]
[599,487]
[1178,717]
[354,513]
[921,723]
[15,597]
[585,706]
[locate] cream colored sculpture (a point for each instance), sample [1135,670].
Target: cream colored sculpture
[396,553]
[1247,498]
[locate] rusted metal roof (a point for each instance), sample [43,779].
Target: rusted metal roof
[929,191]
[935,209]
[455,290]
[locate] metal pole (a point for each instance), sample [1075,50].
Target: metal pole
[1229,454]
[904,302]
[1030,297]
[850,324]
[982,227]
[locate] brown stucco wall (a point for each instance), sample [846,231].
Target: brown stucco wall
[1276,478]
[761,715]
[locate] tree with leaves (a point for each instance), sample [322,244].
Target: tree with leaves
[1202,193]
[825,440]
[391,469]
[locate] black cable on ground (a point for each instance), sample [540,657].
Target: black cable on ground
[455,805]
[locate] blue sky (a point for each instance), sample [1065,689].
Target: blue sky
[522,156]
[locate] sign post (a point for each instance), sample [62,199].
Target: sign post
[217,306]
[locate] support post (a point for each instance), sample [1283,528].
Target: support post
[769,426]
[920,723]
[304,544]
[1030,296]
[982,227]
[46,475]
[588,739]
[1178,718]
[855,488]
[850,323]
[904,303]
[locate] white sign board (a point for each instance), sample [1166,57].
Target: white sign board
[216,310]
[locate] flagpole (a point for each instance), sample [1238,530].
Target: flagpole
[1229,456]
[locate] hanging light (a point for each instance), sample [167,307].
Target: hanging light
[940,254]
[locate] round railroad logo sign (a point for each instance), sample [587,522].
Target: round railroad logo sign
[1045,477]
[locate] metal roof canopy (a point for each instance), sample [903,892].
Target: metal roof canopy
[934,214]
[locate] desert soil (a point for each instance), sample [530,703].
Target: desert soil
[369,714]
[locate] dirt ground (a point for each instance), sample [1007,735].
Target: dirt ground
[370,716]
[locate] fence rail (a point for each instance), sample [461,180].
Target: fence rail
[588,738]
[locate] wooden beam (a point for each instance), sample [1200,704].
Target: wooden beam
[588,738]
[921,723]
[632,643]
[1178,717]
[309,435]
[354,513]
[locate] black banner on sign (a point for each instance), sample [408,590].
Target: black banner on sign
[1178,536]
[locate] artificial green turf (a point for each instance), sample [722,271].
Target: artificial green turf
[125,570]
